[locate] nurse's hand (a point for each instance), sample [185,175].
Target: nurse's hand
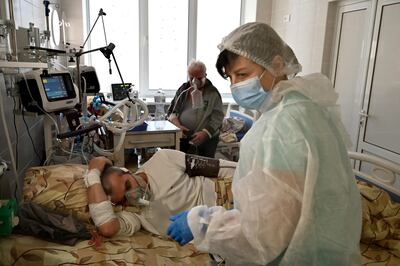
[179,229]
[199,137]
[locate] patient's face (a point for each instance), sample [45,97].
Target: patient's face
[196,73]
[118,184]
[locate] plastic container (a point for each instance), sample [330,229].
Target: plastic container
[8,209]
[159,114]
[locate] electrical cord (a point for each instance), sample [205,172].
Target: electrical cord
[16,135]
[30,137]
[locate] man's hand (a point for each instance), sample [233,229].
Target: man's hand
[178,124]
[99,163]
[199,137]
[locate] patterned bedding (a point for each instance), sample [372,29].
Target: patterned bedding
[380,238]
[61,187]
[140,249]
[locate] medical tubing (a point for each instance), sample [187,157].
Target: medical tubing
[82,151]
[179,96]
[117,148]
[124,125]
[7,134]
[84,99]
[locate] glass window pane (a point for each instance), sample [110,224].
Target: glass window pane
[168,37]
[122,29]
[215,19]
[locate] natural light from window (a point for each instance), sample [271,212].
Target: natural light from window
[215,20]
[168,38]
[124,34]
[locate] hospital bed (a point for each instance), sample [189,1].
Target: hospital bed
[230,150]
[61,187]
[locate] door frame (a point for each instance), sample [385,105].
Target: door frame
[364,146]
[342,8]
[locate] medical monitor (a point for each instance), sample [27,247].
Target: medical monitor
[53,91]
[88,78]
[119,90]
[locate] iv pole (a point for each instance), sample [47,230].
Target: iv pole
[107,52]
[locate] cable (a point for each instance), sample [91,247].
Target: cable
[16,135]
[9,144]
[30,137]
[16,148]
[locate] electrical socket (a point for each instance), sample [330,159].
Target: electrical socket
[287,18]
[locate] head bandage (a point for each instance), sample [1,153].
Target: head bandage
[260,43]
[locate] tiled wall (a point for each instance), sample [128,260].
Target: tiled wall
[25,11]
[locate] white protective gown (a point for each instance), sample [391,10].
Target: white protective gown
[296,200]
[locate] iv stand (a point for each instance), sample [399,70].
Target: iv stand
[107,52]
[78,54]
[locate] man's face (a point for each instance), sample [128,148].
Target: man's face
[118,184]
[196,73]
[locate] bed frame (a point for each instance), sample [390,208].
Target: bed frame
[383,174]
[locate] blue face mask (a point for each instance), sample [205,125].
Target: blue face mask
[249,93]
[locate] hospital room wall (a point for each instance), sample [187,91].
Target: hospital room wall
[25,11]
[302,24]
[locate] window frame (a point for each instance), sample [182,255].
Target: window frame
[143,82]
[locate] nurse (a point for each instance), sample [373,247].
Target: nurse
[296,200]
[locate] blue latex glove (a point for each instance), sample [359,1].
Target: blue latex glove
[179,229]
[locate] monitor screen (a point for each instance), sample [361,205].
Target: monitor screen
[54,87]
[119,91]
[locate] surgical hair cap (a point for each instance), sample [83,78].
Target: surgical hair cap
[260,43]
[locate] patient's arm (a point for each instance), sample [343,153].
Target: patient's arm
[96,194]
[100,207]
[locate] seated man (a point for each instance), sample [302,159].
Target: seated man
[170,179]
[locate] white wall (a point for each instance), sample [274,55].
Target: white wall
[25,11]
[304,32]
[264,11]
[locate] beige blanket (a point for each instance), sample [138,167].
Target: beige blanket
[380,238]
[61,187]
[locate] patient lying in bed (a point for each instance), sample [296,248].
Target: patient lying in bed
[167,184]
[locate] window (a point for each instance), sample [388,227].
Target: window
[214,23]
[156,39]
[168,37]
[121,25]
